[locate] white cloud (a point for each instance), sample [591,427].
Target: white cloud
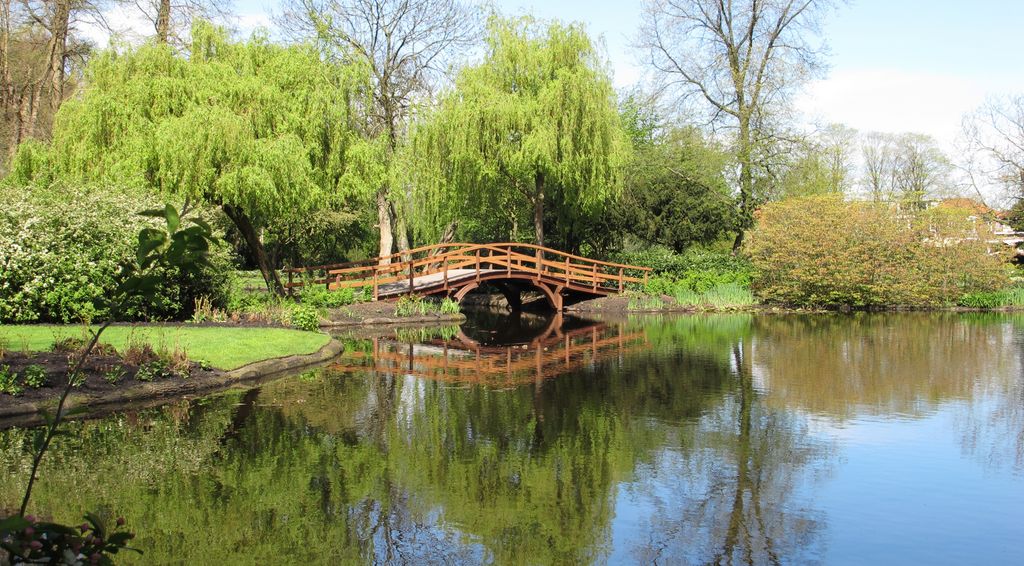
[625,75]
[889,100]
[247,23]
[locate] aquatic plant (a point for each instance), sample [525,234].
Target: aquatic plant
[305,317]
[448,306]
[412,306]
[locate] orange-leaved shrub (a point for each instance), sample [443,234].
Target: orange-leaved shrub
[825,251]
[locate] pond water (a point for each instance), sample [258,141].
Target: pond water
[836,439]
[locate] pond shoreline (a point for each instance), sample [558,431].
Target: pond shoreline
[621,305]
[97,398]
[381,313]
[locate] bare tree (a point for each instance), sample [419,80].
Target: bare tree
[837,144]
[878,152]
[920,169]
[40,56]
[995,143]
[172,19]
[820,163]
[408,46]
[743,59]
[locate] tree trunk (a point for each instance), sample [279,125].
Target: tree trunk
[16,112]
[401,234]
[447,237]
[6,97]
[163,21]
[10,103]
[58,52]
[387,239]
[746,183]
[31,112]
[252,241]
[538,208]
[737,243]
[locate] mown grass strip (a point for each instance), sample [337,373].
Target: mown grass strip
[223,347]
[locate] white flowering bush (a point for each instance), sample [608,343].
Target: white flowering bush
[60,247]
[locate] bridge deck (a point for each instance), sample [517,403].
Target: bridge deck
[430,281]
[455,269]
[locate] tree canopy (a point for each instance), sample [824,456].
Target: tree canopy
[744,60]
[407,47]
[533,125]
[258,129]
[676,193]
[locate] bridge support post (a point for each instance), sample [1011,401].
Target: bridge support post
[512,295]
[411,274]
[559,300]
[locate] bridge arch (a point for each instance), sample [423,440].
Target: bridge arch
[553,295]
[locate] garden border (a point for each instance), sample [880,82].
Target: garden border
[27,414]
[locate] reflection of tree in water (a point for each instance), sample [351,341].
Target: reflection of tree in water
[992,427]
[740,465]
[376,465]
[909,364]
[846,365]
[532,471]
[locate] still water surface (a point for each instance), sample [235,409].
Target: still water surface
[846,439]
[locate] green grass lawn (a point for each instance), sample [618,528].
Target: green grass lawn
[250,280]
[224,347]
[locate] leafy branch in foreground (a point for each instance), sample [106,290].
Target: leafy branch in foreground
[33,541]
[174,246]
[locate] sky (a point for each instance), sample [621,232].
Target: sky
[893,65]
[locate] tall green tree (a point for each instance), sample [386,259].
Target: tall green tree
[408,46]
[743,60]
[676,193]
[535,120]
[260,130]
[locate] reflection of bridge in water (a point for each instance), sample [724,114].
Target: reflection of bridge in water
[465,360]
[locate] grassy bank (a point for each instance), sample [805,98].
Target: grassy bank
[1012,297]
[222,347]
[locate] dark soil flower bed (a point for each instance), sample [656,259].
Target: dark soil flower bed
[104,372]
[140,377]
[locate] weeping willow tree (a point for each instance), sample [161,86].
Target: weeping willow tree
[534,124]
[260,130]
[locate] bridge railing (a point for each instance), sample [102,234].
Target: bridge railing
[459,260]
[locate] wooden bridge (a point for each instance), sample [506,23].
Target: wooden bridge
[454,270]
